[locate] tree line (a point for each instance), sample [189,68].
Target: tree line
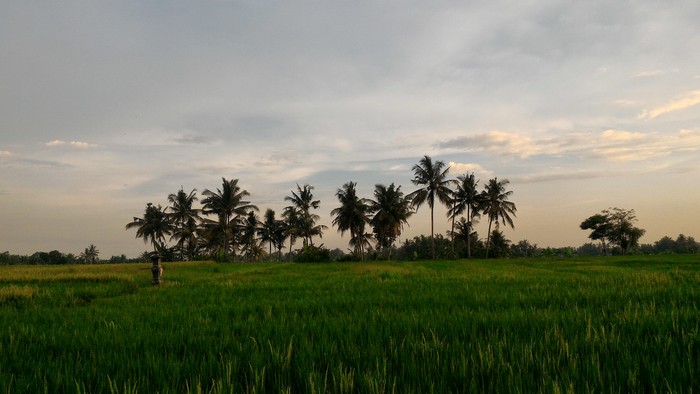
[228,226]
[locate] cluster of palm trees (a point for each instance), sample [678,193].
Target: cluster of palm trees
[228,223]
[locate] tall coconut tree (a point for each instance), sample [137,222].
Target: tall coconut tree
[465,197]
[229,206]
[352,215]
[303,202]
[390,212]
[496,207]
[291,225]
[268,229]
[184,218]
[154,226]
[433,178]
[249,236]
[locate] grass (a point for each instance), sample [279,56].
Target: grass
[575,325]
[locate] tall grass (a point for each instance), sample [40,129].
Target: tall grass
[605,325]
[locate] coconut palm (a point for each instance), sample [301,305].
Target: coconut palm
[467,198]
[433,178]
[496,207]
[352,215]
[228,204]
[303,202]
[249,240]
[268,228]
[184,218]
[154,226]
[90,255]
[291,224]
[391,210]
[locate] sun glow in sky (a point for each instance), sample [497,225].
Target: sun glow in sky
[106,106]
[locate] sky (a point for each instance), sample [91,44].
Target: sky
[581,105]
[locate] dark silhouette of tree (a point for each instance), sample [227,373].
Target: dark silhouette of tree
[228,205]
[154,226]
[352,215]
[433,178]
[303,202]
[496,206]
[184,218]
[249,239]
[90,255]
[268,229]
[467,198]
[600,229]
[391,210]
[615,225]
[291,226]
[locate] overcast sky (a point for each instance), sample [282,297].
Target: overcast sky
[582,105]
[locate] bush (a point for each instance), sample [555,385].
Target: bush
[313,254]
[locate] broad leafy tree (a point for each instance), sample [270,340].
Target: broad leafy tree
[435,185]
[467,198]
[615,225]
[496,207]
[391,210]
[229,206]
[153,226]
[352,215]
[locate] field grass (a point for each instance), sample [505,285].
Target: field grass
[574,325]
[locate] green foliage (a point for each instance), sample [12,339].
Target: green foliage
[313,254]
[616,226]
[579,325]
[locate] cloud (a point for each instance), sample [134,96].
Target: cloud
[691,99]
[464,168]
[72,144]
[650,73]
[193,139]
[620,135]
[494,142]
[5,153]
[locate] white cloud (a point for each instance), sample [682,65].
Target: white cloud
[465,168]
[5,153]
[691,99]
[621,135]
[649,73]
[72,144]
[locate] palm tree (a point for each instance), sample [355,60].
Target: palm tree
[391,210]
[249,239]
[291,225]
[435,185]
[465,197]
[303,202]
[496,206]
[352,215]
[154,226]
[89,256]
[184,218]
[228,204]
[268,228]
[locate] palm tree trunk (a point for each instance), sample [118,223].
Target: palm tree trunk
[452,233]
[488,238]
[469,233]
[432,233]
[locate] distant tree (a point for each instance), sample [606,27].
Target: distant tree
[154,226]
[523,249]
[184,218]
[500,245]
[303,202]
[685,245]
[664,245]
[616,226]
[268,228]
[229,206]
[290,216]
[391,210]
[433,178]
[90,255]
[467,198]
[352,215]
[249,240]
[496,207]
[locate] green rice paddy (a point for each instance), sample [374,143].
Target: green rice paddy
[573,325]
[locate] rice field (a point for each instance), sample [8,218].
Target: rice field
[573,325]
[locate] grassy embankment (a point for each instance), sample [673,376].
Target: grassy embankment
[583,325]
